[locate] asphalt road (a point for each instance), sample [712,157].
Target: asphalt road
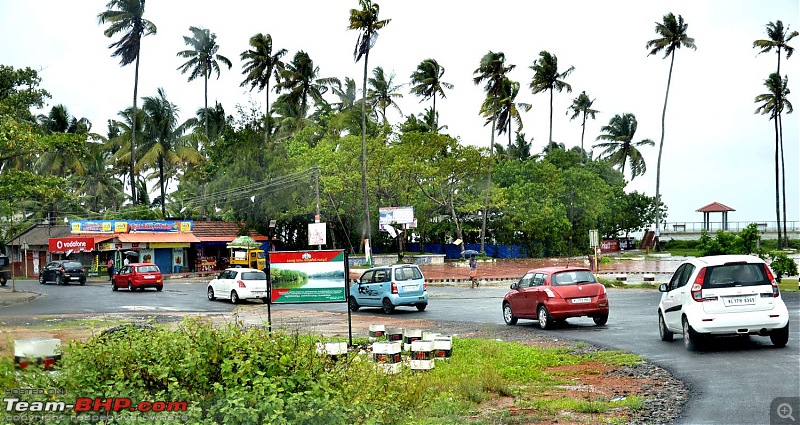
[733,381]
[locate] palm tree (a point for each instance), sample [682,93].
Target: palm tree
[582,105]
[427,82]
[202,59]
[100,186]
[382,92]
[507,110]
[779,40]
[120,144]
[547,78]
[126,17]
[260,65]
[493,71]
[672,36]
[367,23]
[619,148]
[773,103]
[300,79]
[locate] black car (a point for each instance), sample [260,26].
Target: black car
[63,272]
[5,270]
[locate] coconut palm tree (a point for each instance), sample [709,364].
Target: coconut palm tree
[773,103]
[779,38]
[507,110]
[492,70]
[125,17]
[582,105]
[619,147]
[381,93]
[672,36]
[260,64]
[101,187]
[202,59]
[427,82]
[547,78]
[367,23]
[300,80]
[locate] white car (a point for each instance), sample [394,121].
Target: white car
[722,295]
[238,284]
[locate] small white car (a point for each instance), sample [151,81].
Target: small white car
[238,284]
[722,295]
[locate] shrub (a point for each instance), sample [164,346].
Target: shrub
[782,265]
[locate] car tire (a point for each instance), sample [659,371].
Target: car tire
[600,320]
[388,307]
[421,307]
[41,279]
[2,281]
[691,340]
[508,315]
[210,294]
[353,304]
[113,287]
[663,331]
[265,300]
[235,298]
[82,282]
[130,287]
[159,288]
[780,337]
[545,318]
[60,280]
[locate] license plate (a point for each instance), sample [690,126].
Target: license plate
[581,300]
[411,288]
[733,301]
[258,293]
[74,278]
[149,277]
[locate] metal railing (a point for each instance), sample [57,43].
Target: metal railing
[731,226]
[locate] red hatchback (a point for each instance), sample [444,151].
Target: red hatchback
[138,276]
[553,294]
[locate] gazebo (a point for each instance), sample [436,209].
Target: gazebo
[713,208]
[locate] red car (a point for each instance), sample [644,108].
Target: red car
[138,276]
[552,294]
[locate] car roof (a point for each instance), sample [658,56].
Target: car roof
[243,269]
[718,260]
[557,269]
[141,264]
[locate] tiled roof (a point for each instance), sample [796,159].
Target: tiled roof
[40,234]
[715,207]
[215,231]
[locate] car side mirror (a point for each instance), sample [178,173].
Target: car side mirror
[513,286]
[663,288]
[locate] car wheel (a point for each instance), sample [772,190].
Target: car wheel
[663,332]
[353,304]
[113,287]
[130,286]
[265,300]
[159,288]
[600,320]
[780,337]
[41,279]
[2,281]
[83,282]
[388,307]
[544,317]
[60,280]
[421,307]
[210,294]
[508,315]
[690,338]
[234,298]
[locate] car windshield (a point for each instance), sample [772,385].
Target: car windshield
[3,261]
[732,275]
[255,275]
[147,269]
[573,278]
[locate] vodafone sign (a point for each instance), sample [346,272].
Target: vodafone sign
[76,244]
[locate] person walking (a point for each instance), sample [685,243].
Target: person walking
[110,265]
[473,272]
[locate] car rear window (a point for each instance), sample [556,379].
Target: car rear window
[148,269]
[257,275]
[407,273]
[732,275]
[73,265]
[573,278]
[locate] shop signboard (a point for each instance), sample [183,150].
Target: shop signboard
[308,276]
[131,226]
[74,244]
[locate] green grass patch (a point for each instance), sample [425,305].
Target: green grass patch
[789,284]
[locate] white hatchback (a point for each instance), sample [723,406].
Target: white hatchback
[722,295]
[238,284]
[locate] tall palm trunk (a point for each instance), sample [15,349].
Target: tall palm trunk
[366,234]
[205,101]
[267,127]
[661,148]
[551,116]
[489,180]
[163,191]
[783,181]
[133,131]
[435,117]
[583,131]
[777,177]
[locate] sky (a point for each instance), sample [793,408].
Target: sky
[716,149]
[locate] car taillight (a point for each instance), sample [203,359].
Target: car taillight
[241,284]
[776,292]
[697,286]
[394,288]
[424,285]
[62,269]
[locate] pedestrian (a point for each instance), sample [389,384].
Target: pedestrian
[473,272]
[126,261]
[110,265]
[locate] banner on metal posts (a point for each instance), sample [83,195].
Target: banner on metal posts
[308,276]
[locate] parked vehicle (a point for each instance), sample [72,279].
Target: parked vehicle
[389,287]
[553,294]
[247,253]
[722,295]
[138,276]
[238,284]
[5,270]
[63,272]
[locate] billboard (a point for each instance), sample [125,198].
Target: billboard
[130,226]
[396,215]
[308,276]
